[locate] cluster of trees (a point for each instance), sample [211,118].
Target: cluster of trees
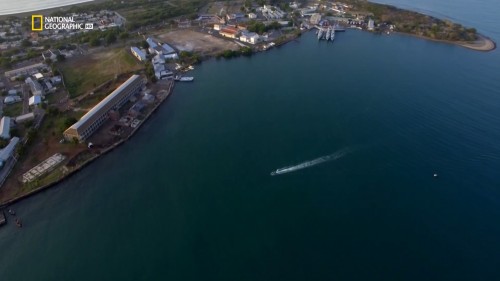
[150,71]
[227,54]
[97,37]
[416,23]
[189,57]
[259,27]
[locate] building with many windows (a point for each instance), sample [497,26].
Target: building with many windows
[91,121]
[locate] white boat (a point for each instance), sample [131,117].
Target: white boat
[327,35]
[332,35]
[320,34]
[186,79]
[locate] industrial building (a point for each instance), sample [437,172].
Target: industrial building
[229,32]
[161,49]
[138,53]
[250,37]
[5,128]
[8,151]
[36,88]
[91,121]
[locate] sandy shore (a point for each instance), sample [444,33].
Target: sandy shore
[483,43]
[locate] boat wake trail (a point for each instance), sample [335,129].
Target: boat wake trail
[338,154]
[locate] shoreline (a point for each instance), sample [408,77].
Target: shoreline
[482,44]
[11,201]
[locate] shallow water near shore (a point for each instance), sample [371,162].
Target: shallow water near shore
[190,196]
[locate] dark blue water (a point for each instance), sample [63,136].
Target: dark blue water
[191,196]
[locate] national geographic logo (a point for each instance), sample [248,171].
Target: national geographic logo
[40,23]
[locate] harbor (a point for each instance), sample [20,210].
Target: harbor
[326,30]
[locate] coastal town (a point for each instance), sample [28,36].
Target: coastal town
[70,96]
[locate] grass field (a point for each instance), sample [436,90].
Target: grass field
[84,73]
[13,110]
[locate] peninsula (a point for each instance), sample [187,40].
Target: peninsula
[72,95]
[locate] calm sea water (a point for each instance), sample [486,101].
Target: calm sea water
[22,6]
[191,196]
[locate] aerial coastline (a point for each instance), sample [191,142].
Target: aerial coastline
[274,34]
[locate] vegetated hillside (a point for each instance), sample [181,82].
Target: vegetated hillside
[416,23]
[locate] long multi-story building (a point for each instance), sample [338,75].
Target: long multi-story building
[91,121]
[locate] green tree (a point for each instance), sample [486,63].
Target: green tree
[26,43]
[95,42]
[124,36]
[110,38]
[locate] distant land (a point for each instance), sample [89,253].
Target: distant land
[25,6]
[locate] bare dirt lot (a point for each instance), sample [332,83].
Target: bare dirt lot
[193,41]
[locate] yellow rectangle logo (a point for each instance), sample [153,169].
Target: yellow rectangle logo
[34,26]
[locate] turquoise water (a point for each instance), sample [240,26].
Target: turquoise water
[191,196]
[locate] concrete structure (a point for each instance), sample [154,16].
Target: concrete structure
[371,25]
[12,99]
[35,100]
[229,32]
[8,151]
[36,88]
[38,76]
[25,117]
[309,11]
[5,128]
[27,70]
[272,13]
[250,37]
[91,121]
[315,18]
[43,168]
[50,54]
[235,16]
[138,53]
[159,49]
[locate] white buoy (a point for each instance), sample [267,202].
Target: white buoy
[435,175]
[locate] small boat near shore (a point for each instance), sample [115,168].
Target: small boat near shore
[183,79]
[19,223]
[12,212]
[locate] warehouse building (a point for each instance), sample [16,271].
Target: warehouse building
[5,128]
[91,121]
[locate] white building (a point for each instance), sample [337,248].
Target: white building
[371,25]
[252,16]
[35,100]
[36,88]
[25,117]
[5,128]
[138,53]
[250,37]
[157,48]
